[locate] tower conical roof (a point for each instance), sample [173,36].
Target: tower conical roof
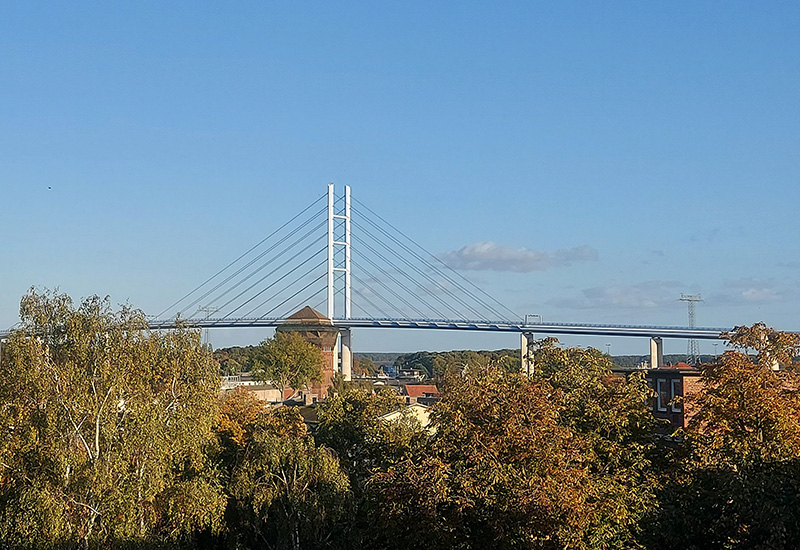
[308,316]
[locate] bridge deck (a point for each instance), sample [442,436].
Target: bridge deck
[702,333]
[485,326]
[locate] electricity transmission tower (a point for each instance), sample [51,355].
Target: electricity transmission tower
[208,310]
[693,350]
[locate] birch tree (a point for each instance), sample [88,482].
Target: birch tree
[103,427]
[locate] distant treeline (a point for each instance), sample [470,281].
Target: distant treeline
[234,360]
[633,361]
[432,364]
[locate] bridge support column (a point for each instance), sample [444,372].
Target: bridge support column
[656,352]
[347,354]
[525,354]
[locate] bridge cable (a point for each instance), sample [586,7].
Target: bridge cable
[359,293]
[324,275]
[434,269]
[287,287]
[383,298]
[388,275]
[309,258]
[270,260]
[429,278]
[243,255]
[421,273]
[264,265]
[254,260]
[439,261]
[319,292]
[390,290]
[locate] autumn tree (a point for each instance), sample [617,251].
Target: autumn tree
[104,428]
[242,415]
[736,481]
[350,424]
[608,409]
[517,462]
[287,361]
[295,491]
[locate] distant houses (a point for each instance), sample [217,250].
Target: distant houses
[424,394]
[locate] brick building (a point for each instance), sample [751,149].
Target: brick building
[317,329]
[669,382]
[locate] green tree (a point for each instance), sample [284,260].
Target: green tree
[235,359]
[295,491]
[421,361]
[284,491]
[608,409]
[736,481]
[350,425]
[454,363]
[364,367]
[104,428]
[287,361]
[442,365]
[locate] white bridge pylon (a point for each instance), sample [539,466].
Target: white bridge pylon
[342,242]
[334,243]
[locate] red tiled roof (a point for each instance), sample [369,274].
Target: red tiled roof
[420,390]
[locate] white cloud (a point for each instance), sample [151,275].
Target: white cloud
[494,257]
[750,291]
[652,294]
[648,294]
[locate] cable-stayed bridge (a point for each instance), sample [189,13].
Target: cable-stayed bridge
[310,260]
[341,257]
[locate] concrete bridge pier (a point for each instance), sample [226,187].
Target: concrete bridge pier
[347,353]
[526,339]
[656,352]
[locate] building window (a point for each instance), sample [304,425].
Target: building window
[651,401]
[676,392]
[662,393]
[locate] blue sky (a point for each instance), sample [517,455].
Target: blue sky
[588,162]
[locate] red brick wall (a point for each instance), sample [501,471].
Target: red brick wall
[691,385]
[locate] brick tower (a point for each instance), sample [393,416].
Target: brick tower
[318,330]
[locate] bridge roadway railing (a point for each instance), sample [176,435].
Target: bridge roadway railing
[650,331]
